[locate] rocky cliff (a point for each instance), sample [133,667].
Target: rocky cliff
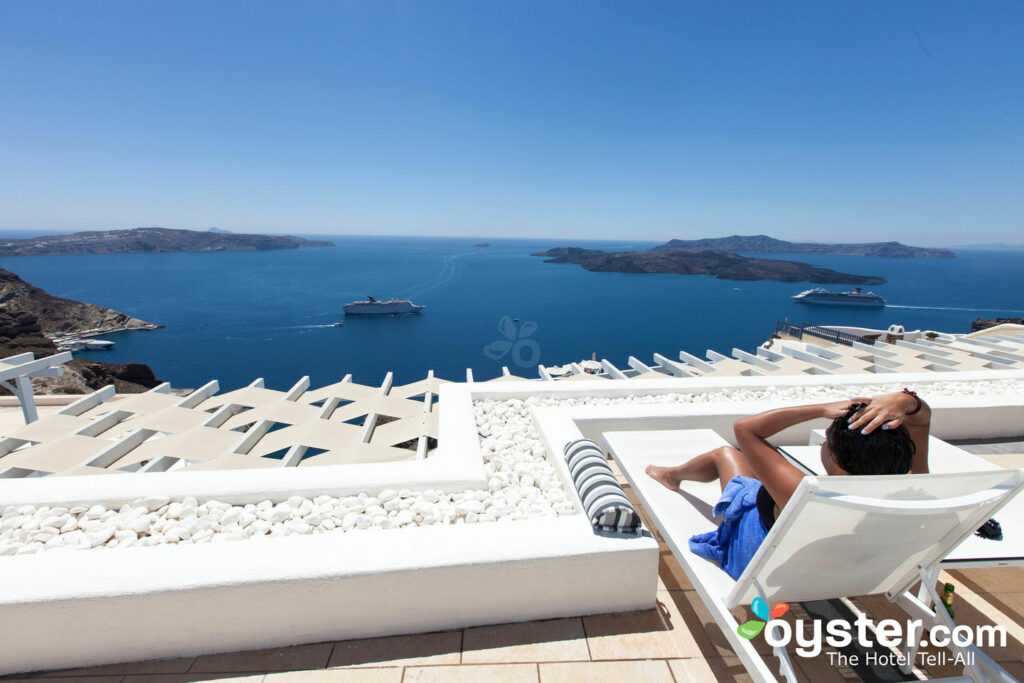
[718,264]
[20,332]
[763,244]
[55,314]
[148,240]
[984,323]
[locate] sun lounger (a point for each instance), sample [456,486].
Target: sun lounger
[897,529]
[945,458]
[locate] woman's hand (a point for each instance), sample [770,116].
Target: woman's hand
[836,408]
[886,411]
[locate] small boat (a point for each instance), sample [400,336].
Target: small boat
[97,344]
[481,244]
[339,324]
[830,298]
[373,307]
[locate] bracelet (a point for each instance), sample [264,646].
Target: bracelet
[916,410]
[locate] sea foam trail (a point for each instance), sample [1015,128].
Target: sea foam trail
[451,269]
[953,308]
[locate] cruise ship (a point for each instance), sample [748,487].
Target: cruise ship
[830,298]
[373,307]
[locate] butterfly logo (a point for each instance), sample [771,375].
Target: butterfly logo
[525,352]
[751,628]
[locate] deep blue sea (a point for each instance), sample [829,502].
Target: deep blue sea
[236,316]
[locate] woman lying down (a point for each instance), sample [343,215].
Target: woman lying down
[886,434]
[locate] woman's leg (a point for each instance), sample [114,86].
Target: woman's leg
[722,464]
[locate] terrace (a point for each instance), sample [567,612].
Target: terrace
[473,557]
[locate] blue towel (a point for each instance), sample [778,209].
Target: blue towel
[741,532]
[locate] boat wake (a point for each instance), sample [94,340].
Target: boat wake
[451,270]
[955,308]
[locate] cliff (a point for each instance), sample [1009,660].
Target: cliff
[20,332]
[150,240]
[763,244]
[56,314]
[718,264]
[983,323]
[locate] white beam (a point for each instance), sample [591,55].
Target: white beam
[422,443]
[252,437]
[612,371]
[88,402]
[690,359]
[117,450]
[371,420]
[638,365]
[199,395]
[34,366]
[298,390]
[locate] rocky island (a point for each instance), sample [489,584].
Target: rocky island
[21,333]
[33,320]
[763,244]
[980,324]
[61,316]
[719,264]
[150,240]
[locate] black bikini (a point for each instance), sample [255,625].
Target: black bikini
[766,507]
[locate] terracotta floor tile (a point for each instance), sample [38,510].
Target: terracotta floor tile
[630,635]
[818,670]
[670,574]
[391,674]
[444,647]
[554,640]
[693,627]
[491,673]
[293,658]
[688,628]
[646,670]
[710,670]
[990,580]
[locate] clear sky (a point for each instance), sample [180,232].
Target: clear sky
[838,121]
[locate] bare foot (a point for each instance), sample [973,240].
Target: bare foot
[663,475]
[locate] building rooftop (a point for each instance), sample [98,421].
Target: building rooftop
[370,439]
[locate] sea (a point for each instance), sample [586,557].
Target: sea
[238,316]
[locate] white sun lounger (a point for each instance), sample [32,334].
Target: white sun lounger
[946,458]
[896,529]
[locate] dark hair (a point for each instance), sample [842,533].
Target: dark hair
[883,451]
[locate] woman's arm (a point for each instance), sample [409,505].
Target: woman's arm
[777,474]
[889,411]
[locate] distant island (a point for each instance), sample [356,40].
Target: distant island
[150,240]
[763,244]
[719,264]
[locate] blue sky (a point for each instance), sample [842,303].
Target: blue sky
[833,121]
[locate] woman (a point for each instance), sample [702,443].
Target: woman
[886,434]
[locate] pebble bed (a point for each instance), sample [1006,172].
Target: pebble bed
[522,484]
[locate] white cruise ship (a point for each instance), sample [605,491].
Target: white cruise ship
[830,298]
[373,307]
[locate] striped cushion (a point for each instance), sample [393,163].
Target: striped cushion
[603,500]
